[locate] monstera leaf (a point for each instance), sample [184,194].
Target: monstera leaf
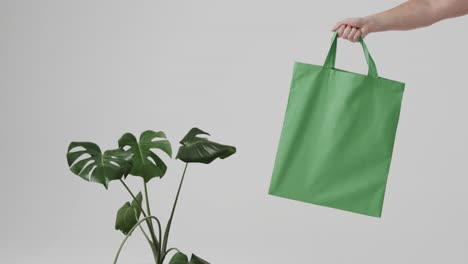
[145,162]
[87,161]
[181,258]
[128,215]
[196,260]
[200,149]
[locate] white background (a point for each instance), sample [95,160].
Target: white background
[93,70]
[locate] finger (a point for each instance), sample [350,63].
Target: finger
[357,35]
[364,32]
[346,32]
[351,33]
[341,30]
[336,26]
[347,21]
[351,37]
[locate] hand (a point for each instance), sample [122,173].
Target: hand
[353,28]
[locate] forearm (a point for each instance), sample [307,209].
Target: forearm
[416,14]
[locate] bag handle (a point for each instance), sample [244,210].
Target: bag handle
[331,57]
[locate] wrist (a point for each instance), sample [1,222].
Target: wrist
[372,24]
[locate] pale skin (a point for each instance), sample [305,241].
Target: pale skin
[409,15]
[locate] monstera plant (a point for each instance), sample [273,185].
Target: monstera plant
[137,157]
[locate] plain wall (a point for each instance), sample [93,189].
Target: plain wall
[93,70]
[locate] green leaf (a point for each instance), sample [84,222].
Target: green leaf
[145,162]
[179,258]
[92,165]
[197,260]
[136,204]
[200,149]
[128,215]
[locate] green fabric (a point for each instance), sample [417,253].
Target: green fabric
[337,139]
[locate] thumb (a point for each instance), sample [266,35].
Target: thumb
[336,26]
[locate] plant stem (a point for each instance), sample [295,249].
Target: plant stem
[133,196]
[130,233]
[168,227]
[148,208]
[144,233]
[155,246]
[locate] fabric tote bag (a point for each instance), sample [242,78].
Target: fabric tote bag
[337,139]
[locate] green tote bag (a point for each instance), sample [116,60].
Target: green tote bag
[337,139]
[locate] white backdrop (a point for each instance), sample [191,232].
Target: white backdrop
[93,70]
